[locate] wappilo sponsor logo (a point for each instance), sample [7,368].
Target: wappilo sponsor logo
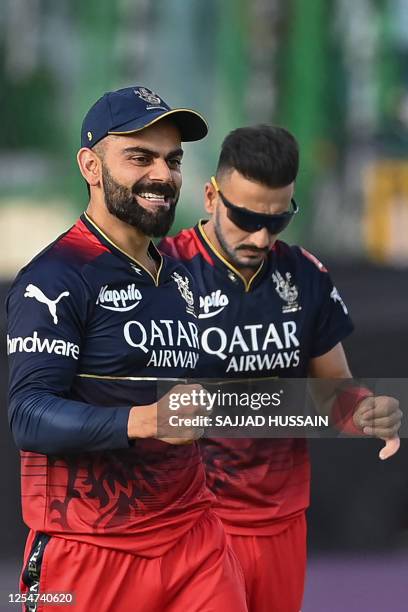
[119,300]
[212,304]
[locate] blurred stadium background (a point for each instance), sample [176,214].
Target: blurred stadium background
[335,72]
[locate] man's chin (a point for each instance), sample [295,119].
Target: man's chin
[159,233]
[157,230]
[249,261]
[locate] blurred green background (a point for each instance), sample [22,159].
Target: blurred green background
[332,71]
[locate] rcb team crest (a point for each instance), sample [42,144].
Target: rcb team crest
[186,293]
[148,96]
[287,292]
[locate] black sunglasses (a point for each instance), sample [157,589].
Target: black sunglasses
[250,221]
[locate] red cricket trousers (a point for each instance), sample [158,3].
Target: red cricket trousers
[274,567]
[199,574]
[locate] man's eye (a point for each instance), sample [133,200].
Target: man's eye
[140,159]
[174,163]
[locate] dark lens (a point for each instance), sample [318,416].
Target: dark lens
[241,220]
[253,224]
[275,226]
[250,221]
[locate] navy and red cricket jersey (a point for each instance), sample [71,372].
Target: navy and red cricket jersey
[288,313]
[89,333]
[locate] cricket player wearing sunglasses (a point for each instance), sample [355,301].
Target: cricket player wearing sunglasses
[267,309]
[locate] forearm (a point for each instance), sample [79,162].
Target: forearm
[45,423]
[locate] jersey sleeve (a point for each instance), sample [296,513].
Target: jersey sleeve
[333,322]
[47,309]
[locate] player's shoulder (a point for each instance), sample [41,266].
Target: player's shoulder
[182,246]
[63,260]
[301,256]
[187,246]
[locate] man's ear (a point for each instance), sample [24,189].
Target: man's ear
[210,198]
[90,166]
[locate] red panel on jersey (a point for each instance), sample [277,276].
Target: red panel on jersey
[314,259]
[259,483]
[185,246]
[113,499]
[82,241]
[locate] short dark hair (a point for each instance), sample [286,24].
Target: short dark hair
[265,153]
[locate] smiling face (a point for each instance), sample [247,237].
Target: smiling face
[141,177]
[244,249]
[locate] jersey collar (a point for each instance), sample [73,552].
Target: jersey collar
[219,260]
[114,248]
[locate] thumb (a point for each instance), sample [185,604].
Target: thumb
[390,448]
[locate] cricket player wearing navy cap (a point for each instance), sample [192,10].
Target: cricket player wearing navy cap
[267,309]
[119,517]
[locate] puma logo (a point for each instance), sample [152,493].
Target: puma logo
[34,292]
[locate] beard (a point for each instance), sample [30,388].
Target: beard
[233,255]
[121,202]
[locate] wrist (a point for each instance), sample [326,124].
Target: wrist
[142,422]
[344,408]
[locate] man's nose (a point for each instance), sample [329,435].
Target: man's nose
[160,171]
[261,239]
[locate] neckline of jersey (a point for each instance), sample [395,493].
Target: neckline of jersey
[226,264]
[152,251]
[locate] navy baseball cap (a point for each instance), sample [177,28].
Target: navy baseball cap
[132,109]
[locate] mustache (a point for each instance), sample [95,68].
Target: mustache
[165,189]
[255,250]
